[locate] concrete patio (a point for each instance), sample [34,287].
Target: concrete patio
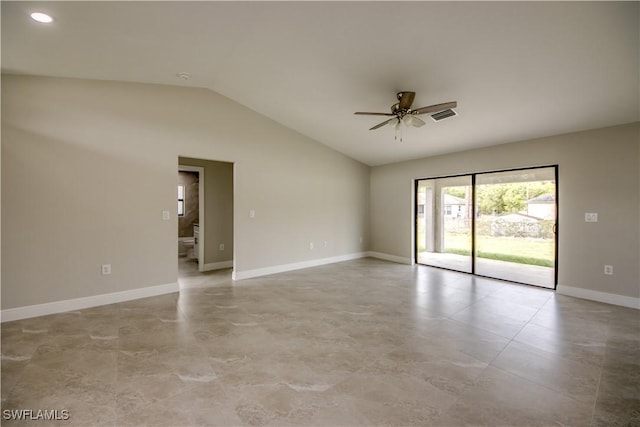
[511,271]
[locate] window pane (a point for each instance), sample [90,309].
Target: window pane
[181,200]
[443,232]
[515,226]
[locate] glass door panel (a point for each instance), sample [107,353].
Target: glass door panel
[443,222]
[515,224]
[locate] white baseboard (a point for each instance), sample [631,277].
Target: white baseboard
[241,275]
[605,297]
[392,258]
[217,265]
[85,302]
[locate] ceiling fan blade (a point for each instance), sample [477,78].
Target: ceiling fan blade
[406,99]
[435,108]
[374,114]
[416,122]
[379,125]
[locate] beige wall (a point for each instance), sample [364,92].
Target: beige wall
[218,208]
[598,172]
[77,154]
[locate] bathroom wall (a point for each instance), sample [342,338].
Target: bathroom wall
[191,203]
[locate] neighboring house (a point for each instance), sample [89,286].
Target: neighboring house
[455,207]
[452,206]
[543,206]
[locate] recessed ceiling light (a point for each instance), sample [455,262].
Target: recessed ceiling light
[41,17]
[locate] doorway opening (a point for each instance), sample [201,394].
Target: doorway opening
[190,193]
[501,224]
[205,244]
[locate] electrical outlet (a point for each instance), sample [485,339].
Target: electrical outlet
[608,270]
[106,269]
[222,246]
[591,217]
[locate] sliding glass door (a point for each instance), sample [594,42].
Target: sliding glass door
[443,226]
[515,226]
[499,224]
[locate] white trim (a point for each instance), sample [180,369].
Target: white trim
[625,301]
[201,213]
[18,313]
[392,258]
[241,275]
[218,265]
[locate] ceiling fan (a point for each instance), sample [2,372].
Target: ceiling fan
[401,112]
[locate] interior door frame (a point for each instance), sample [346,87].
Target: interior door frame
[473,219]
[200,171]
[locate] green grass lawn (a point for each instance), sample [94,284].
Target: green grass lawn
[520,250]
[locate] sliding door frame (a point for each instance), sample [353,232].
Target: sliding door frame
[473,176]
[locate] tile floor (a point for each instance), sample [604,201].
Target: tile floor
[363,342]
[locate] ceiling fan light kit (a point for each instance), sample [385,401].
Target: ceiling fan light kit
[401,112]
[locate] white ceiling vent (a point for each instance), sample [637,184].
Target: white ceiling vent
[443,115]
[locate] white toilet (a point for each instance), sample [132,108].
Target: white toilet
[184,245]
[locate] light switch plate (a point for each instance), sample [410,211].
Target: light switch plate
[591,217]
[166,216]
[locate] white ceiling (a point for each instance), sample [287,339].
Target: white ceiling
[518,70]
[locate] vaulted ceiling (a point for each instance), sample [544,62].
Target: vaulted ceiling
[518,70]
